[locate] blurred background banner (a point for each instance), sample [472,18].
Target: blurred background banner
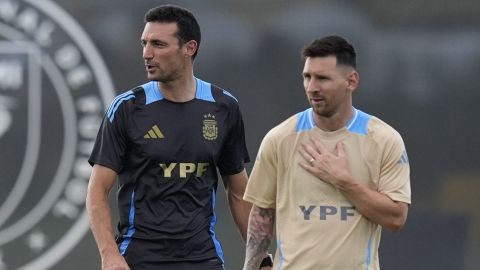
[62,62]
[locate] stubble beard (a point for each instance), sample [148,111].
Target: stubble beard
[322,111]
[163,77]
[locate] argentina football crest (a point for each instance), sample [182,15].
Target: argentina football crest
[210,128]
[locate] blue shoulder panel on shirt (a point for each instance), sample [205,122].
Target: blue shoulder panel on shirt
[230,95]
[305,121]
[116,103]
[204,91]
[359,123]
[152,93]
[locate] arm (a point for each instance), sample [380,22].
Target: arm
[376,206]
[235,187]
[332,168]
[99,186]
[260,234]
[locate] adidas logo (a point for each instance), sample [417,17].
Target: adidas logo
[154,133]
[403,159]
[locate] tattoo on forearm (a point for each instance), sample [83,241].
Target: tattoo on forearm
[259,236]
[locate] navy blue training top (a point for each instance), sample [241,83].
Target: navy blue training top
[166,155]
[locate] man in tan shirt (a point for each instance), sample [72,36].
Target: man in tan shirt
[329,177]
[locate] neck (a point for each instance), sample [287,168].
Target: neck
[334,122]
[182,89]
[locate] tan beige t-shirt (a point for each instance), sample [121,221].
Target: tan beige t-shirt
[316,226]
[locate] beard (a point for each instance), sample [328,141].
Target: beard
[168,72]
[163,76]
[323,110]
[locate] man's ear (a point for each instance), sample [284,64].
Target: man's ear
[353,78]
[190,48]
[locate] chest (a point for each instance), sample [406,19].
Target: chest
[172,132]
[363,163]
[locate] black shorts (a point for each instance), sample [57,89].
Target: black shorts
[213,264]
[166,254]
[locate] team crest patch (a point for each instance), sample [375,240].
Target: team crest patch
[210,129]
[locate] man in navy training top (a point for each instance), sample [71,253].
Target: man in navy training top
[165,141]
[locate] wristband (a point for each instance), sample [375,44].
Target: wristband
[267,261]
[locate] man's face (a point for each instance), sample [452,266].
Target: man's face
[326,85]
[164,56]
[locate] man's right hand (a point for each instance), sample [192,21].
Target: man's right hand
[100,184]
[115,262]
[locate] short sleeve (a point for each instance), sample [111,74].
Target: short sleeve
[234,153]
[110,145]
[262,185]
[395,171]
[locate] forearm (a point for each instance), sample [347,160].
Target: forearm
[235,188]
[101,223]
[240,211]
[259,236]
[376,206]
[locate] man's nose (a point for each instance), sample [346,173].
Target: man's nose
[311,86]
[147,52]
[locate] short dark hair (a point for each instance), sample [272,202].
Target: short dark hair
[332,45]
[188,27]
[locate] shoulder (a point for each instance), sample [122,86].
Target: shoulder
[210,92]
[388,140]
[384,134]
[371,126]
[380,128]
[126,99]
[223,95]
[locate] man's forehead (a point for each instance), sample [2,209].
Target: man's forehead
[156,30]
[320,63]
[329,60]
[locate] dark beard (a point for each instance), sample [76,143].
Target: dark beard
[327,113]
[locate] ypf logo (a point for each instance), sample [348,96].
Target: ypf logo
[53,92]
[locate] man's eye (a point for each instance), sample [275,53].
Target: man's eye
[159,44]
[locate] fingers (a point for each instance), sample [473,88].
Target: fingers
[313,149]
[339,149]
[308,167]
[308,153]
[318,145]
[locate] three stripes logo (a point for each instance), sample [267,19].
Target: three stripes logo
[154,133]
[403,159]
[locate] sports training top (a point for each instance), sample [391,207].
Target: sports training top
[317,227]
[166,155]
